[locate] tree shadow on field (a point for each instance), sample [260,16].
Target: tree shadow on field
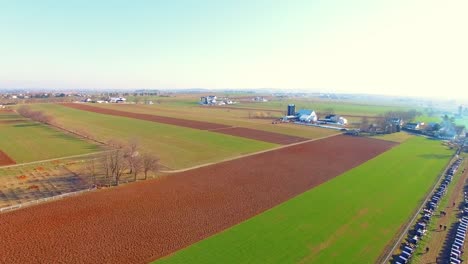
[27,125]
[434,156]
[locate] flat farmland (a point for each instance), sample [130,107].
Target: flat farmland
[340,107]
[249,133]
[25,141]
[349,219]
[144,221]
[229,116]
[177,147]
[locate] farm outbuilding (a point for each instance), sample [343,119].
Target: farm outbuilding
[336,119]
[117,100]
[291,109]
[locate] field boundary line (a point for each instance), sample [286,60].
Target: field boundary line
[54,159]
[42,200]
[388,252]
[250,154]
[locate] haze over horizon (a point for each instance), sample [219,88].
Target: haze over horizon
[406,48]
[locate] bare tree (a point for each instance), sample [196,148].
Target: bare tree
[328,111]
[364,124]
[91,169]
[131,153]
[38,116]
[137,167]
[149,163]
[114,163]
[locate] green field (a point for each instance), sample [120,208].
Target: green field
[395,137]
[349,219]
[342,108]
[177,147]
[26,141]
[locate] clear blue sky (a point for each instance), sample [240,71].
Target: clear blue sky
[391,47]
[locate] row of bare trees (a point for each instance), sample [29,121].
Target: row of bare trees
[125,158]
[38,116]
[383,122]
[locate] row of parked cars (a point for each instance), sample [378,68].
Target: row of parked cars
[420,228]
[458,241]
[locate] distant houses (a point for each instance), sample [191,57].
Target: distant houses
[208,100]
[336,119]
[117,100]
[259,99]
[412,126]
[213,100]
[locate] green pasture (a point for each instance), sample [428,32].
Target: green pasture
[341,108]
[232,117]
[349,219]
[177,147]
[395,137]
[26,141]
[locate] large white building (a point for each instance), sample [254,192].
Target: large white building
[307,116]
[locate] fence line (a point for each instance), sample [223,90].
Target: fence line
[42,200]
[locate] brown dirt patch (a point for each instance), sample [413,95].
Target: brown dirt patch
[5,159]
[140,222]
[261,135]
[160,119]
[213,127]
[243,108]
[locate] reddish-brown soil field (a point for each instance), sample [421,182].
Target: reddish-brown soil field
[213,127]
[160,119]
[140,222]
[242,108]
[11,121]
[261,135]
[5,159]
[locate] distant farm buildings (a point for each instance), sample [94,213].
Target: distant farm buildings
[259,99]
[208,100]
[307,116]
[336,119]
[413,126]
[213,100]
[117,100]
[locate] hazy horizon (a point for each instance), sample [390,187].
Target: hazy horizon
[404,48]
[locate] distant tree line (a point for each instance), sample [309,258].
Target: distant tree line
[383,124]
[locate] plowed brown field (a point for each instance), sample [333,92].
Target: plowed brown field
[213,127]
[5,159]
[144,221]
